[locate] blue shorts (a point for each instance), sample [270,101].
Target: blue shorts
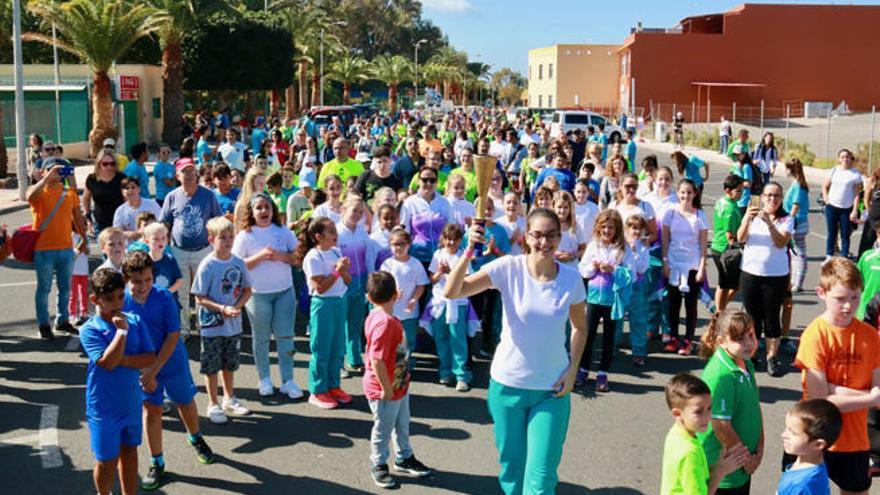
[108,434]
[180,389]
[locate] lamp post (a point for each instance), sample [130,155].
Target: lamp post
[337,23]
[18,72]
[416,45]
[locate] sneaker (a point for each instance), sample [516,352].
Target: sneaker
[444,381]
[462,386]
[154,477]
[66,327]
[355,370]
[266,388]
[671,345]
[483,354]
[291,389]
[775,368]
[412,466]
[344,373]
[216,415]
[81,320]
[381,477]
[602,382]
[638,360]
[666,338]
[234,407]
[581,377]
[797,290]
[46,334]
[203,452]
[759,362]
[686,348]
[324,401]
[339,395]
[789,347]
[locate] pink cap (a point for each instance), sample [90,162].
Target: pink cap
[182,163]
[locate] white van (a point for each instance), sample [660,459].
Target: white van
[565,121]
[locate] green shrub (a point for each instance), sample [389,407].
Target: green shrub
[796,150]
[705,139]
[824,164]
[861,153]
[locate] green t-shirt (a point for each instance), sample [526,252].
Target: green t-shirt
[727,218]
[441,182]
[447,137]
[685,470]
[734,144]
[346,169]
[735,398]
[869,266]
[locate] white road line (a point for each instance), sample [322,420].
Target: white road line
[50,452]
[72,344]
[18,284]
[24,440]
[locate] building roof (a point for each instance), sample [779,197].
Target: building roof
[722,84]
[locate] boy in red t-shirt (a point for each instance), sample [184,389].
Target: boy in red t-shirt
[385,384]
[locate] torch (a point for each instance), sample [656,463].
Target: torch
[484,169]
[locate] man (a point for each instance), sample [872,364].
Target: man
[137,168]
[430,141]
[378,176]
[204,152]
[499,148]
[110,145]
[232,152]
[529,135]
[677,130]
[342,166]
[258,135]
[724,132]
[739,145]
[186,211]
[406,166]
[578,144]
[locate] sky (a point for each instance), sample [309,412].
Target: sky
[501,32]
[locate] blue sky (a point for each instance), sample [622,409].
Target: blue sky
[501,33]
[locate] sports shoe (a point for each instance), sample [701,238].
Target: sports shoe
[665,338]
[483,354]
[355,370]
[671,345]
[154,477]
[581,377]
[290,389]
[166,407]
[686,348]
[324,401]
[444,381]
[339,395]
[638,360]
[266,388]
[81,320]
[344,373]
[789,347]
[203,452]
[46,334]
[66,327]
[234,407]
[602,382]
[775,368]
[216,415]
[381,477]
[412,466]
[462,386]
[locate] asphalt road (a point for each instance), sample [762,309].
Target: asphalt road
[614,445]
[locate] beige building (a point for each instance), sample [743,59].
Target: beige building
[574,76]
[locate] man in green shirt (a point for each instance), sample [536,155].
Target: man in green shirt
[726,221]
[742,142]
[343,165]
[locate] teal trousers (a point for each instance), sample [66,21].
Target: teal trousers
[326,342]
[451,340]
[355,315]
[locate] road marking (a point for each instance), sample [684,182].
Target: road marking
[50,452]
[72,344]
[18,284]
[24,440]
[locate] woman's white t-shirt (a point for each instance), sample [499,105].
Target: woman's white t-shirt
[408,275]
[318,262]
[841,194]
[267,276]
[643,208]
[760,257]
[531,354]
[684,251]
[659,205]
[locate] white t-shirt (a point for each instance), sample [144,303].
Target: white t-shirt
[644,209]
[408,275]
[684,239]
[760,257]
[318,262]
[125,216]
[661,205]
[80,259]
[510,228]
[531,354]
[442,255]
[267,276]
[461,209]
[569,243]
[586,219]
[841,194]
[233,154]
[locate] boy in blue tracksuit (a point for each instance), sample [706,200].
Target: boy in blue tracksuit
[118,346]
[169,374]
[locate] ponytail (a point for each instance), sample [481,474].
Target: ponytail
[709,339]
[730,323]
[308,237]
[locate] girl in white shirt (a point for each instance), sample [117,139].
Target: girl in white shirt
[387,219]
[411,279]
[332,208]
[513,222]
[573,243]
[461,210]
[585,211]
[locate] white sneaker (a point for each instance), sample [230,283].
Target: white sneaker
[216,415]
[266,387]
[291,389]
[462,386]
[234,407]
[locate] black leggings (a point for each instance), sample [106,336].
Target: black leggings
[690,307]
[484,305]
[596,312]
[762,299]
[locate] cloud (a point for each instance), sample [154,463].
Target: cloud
[449,6]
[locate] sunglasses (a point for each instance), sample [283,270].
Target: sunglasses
[631,187]
[108,164]
[428,180]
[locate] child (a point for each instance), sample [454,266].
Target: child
[226,193]
[727,219]
[543,198]
[587,172]
[236,178]
[289,181]
[222,286]
[355,244]
[840,360]
[604,254]
[273,188]
[385,384]
[328,277]
[164,174]
[387,218]
[573,243]
[166,272]
[118,346]
[585,210]
[685,470]
[448,320]
[640,260]
[811,426]
[462,210]
[411,280]
[111,241]
[143,219]
[169,374]
[298,203]
[79,282]
[513,223]
[728,345]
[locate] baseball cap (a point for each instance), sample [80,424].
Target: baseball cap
[182,163]
[737,149]
[109,142]
[306,182]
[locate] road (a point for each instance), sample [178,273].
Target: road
[614,444]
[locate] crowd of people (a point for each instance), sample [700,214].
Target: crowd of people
[364,228]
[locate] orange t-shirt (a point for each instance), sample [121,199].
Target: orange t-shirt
[58,233]
[848,357]
[426,145]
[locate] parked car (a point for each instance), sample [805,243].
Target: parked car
[565,121]
[323,116]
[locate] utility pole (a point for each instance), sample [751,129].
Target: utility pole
[19,100]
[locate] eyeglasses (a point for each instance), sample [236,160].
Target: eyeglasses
[428,180]
[538,235]
[49,148]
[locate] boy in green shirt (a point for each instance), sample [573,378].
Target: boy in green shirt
[685,469]
[726,220]
[869,266]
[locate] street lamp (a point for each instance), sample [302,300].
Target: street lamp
[337,23]
[416,45]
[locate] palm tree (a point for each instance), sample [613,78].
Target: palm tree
[392,70]
[432,74]
[304,20]
[452,59]
[98,32]
[348,70]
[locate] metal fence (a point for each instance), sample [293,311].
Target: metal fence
[40,111]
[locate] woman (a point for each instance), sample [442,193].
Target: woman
[691,168]
[765,156]
[267,249]
[611,181]
[462,142]
[466,170]
[308,162]
[254,183]
[33,153]
[764,281]
[424,215]
[871,200]
[279,147]
[532,373]
[840,193]
[628,204]
[103,192]
[797,204]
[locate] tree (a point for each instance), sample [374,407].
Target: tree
[304,20]
[392,70]
[509,84]
[455,62]
[98,32]
[348,70]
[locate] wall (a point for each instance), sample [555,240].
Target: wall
[587,75]
[545,86]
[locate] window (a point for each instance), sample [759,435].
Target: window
[540,72]
[598,120]
[555,119]
[550,71]
[540,101]
[577,118]
[550,101]
[157,108]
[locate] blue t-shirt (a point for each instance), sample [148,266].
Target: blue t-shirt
[797,195]
[227,201]
[202,148]
[161,315]
[116,393]
[565,177]
[138,171]
[221,281]
[692,170]
[188,216]
[745,173]
[594,186]
[166,272]
[808,481]
[493,231]
[161,171]
[631,152]
[257,137]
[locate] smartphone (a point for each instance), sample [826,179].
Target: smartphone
[755,202]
